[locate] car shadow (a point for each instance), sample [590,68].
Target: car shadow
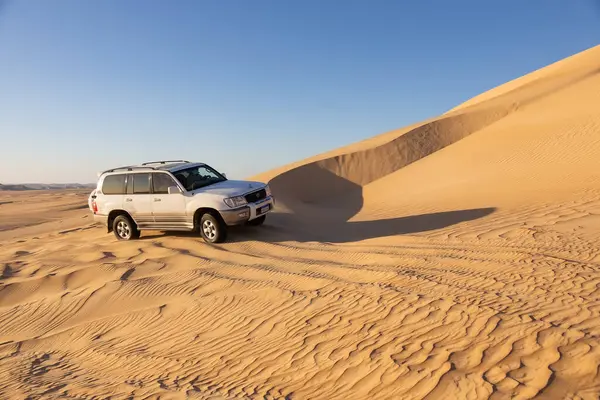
[282,227]
[285,227]
[315,204]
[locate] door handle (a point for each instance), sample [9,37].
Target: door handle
[128,199]
[156,199]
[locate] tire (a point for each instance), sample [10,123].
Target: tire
[124,228]
[212,229]
[257,221]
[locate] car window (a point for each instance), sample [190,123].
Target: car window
[114,184]
[198,177]
[141,183]
[161,183]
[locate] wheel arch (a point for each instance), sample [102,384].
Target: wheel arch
[204,210]
[114,214]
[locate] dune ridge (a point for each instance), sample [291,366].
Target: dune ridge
[455,258]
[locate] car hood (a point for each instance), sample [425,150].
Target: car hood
[230,188]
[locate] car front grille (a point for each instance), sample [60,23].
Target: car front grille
[256,196]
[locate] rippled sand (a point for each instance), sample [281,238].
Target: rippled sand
[456,258]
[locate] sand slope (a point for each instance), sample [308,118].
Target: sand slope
[455,258]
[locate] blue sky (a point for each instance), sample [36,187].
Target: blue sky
[247,86]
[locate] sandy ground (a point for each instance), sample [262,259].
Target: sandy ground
[456,258]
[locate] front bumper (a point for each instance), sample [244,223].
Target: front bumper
[241,215]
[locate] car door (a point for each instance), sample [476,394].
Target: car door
[168,210]
[138,200]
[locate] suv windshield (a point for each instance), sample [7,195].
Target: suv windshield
[198,177]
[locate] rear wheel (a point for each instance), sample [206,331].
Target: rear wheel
[124,228]
[212,229]
[257,221]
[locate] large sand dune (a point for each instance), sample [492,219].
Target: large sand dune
[455,258]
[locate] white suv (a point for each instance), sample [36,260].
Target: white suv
[176,196]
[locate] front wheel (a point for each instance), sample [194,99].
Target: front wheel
[212,229]
[257,221]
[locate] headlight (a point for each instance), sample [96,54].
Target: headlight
[237,201]
[268,190]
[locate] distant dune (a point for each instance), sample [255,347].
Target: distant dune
[47,186]
[457,258]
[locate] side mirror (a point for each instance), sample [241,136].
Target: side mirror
[224,174]
[174,190]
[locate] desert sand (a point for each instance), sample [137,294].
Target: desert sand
[455,258]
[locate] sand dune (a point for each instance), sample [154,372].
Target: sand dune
[455,258]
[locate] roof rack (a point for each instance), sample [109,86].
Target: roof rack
[127,168]
[165,162]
